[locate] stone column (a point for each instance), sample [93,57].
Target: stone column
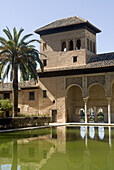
[67,45]
[85,105]
[109,113]
[74,44]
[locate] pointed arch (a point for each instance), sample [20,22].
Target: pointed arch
[63,46]
[71,45]
[78,44]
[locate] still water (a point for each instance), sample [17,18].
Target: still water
[61,148]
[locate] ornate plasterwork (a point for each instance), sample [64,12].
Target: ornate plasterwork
[111,78]
[74,80]
[96,79]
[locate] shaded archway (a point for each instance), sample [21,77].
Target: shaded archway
[71,45]
[74,102]
[91,115]
[63,47]
[97,99]
[100,115]
[78,44]
[82,115]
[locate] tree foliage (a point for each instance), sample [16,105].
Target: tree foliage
[18,53]
[5,105]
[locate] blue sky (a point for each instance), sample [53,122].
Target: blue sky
[32,14]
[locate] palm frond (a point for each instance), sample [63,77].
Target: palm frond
[4,52]
[15,35]
[24,38]
[2,65]
[7,32]
[34,40]
[3,40]
[19,33]
[5,74]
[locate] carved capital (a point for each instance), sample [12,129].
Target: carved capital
[109,99]
[85,99]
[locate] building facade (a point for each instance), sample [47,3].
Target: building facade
[75,78]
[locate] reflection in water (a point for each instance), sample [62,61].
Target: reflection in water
[109,128]
[86,136]
[101,132]
[69,149]
[54,132]
[14,156]
[92,132]
[82,131]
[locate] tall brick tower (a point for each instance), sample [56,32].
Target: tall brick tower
[67,42]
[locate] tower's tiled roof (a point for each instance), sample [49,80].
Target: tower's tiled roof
[64,22]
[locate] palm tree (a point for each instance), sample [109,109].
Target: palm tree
[17,53]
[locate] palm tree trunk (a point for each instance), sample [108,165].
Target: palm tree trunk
[15,90]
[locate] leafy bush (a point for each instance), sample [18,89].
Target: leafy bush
[5,105]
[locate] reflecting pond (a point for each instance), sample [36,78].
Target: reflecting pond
[61,148]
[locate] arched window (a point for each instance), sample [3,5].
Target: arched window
[81,115]
[78,44]
[87,44]
[93,47]
[70,45]
[90,45]
[63,48]
[91,115]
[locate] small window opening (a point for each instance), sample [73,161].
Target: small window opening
[90,45]
[63,46]
[74,59]
[87,44]
[93,47]
[78,45]
[18,109]
[44,93]
[53,101]
[31,96]
[70,45]
[44,46]
[45,62]
[6,95]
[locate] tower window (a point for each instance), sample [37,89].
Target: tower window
[93,47]
[78,45]
[63,48]
[44,46]
[87,44]
[70,45]
[45,62]
[74,59]
[44,93]
[90,45]
[31,95]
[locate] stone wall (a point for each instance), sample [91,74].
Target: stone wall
[55,100]
[28,107]
[21,122]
